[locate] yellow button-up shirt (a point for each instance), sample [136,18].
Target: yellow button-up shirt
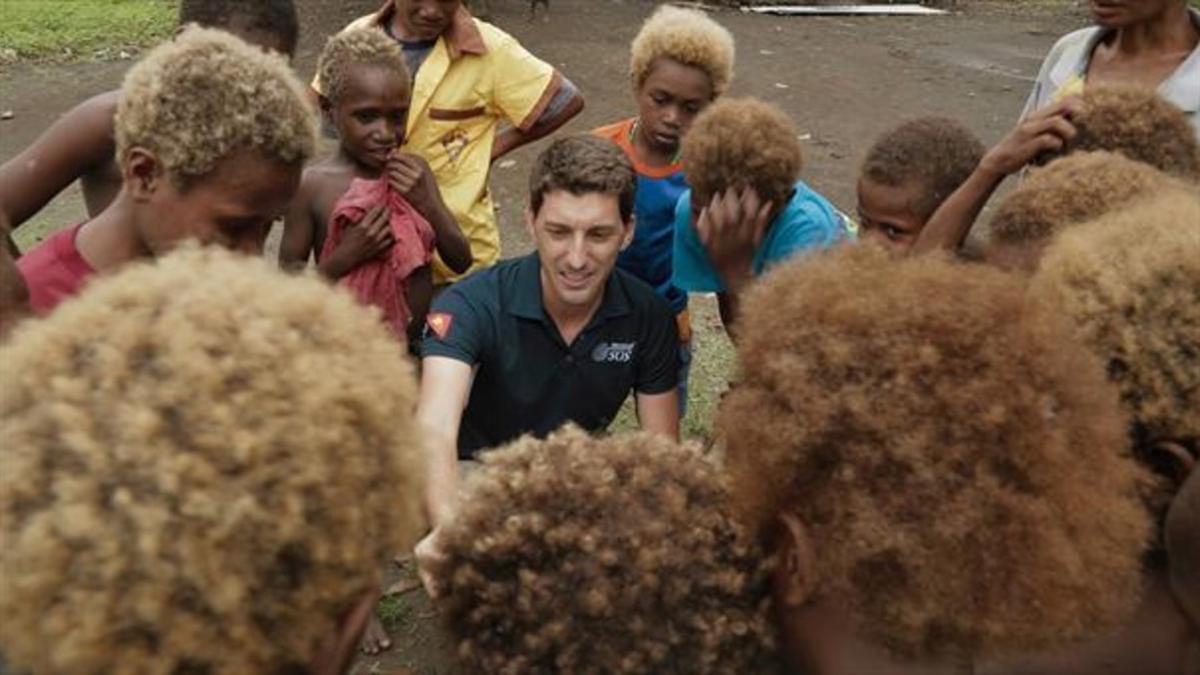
[475,76]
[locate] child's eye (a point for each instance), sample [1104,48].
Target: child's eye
[892,232]
[365,117]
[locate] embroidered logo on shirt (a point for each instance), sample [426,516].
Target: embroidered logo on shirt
[454,142]
[439,323]
[613,352]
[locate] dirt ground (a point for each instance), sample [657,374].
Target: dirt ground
[844,81]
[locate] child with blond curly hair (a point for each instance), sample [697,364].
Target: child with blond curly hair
[181,494]
[576,554]
[81,144]
[680,62]
[747,209]
[1129,283]
[939,482]
[372,215]
[211,138]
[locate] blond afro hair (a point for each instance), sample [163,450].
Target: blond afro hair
[1072,190]
[1139,124]
[739,143]
[206,95]
[960,465]
[358,46]
[686,36]
[1130,282]
[588,556]
[205,462]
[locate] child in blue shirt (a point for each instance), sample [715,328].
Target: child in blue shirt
[746,210]
[680,62]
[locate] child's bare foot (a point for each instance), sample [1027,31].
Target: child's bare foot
[375,639]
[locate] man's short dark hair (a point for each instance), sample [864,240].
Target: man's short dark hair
[581,164]
[277,17]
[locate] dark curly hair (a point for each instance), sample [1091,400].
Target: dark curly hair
[205,464]
[935,153]
[961,465]
[588,556]
[742,142]
[1139,124]
[273,17]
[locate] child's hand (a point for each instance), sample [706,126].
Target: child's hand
[365,240]
[731,228]
[1046,130]
[411,177]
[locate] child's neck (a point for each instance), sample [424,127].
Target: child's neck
[345,161]
[111,239]
[1171,32]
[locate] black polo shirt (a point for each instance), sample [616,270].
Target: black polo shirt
[528,380]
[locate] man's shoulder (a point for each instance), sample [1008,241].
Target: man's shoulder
[642,297]
[484,285]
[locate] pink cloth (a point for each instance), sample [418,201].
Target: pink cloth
[383,282]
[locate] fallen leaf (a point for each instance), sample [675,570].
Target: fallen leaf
[403,586]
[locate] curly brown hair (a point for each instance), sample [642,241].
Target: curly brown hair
[276,18]
[581,164]
[205,95]
[1130,283]
[688,36]
[355,47]
[960,465]
[742,142]
[1072,190]
[934,153]
[581,555]
[205,463]
[1139,124]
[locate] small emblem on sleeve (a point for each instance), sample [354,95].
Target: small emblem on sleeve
[439,323]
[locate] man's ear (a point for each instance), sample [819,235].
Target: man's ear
[529,219]
[142,173]
[795,576]
[630,228]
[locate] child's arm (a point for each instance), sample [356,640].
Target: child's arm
[731,228]
[366,239]
[411,177]
[14,294]
[557,114]
[75,144]
[1047,130]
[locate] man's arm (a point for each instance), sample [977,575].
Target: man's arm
[567,102]
[79,141]
[445,386]
[659,413]
[1047,130]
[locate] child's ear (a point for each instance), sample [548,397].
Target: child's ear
[795,577]
[142,173]
[326,107]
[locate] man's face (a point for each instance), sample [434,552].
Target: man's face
[578,239]
[370,113]
[232,207]
[885,215]
[668,102]
[426,19]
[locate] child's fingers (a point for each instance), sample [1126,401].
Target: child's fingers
[370,216]
[761,218]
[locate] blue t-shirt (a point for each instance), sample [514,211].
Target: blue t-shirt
[807,221]
[650,254]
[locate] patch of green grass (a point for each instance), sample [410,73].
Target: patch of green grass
[71,29]
[392,612]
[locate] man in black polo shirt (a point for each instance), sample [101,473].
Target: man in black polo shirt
[557,336]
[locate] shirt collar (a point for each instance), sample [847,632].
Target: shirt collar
[525,300]
[462,37]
